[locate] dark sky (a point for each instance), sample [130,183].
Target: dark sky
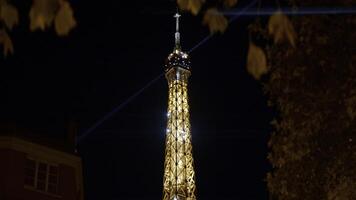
[116,49]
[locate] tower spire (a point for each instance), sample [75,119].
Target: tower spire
[177,34]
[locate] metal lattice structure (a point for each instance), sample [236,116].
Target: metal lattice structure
[179,176]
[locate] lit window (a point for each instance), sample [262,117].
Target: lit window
[41,176]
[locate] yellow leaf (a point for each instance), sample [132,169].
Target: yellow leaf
[193,6]
[281,29]
[64,20]
[256,61]
[183,4]
[5,40]
[9,15]
[215,20]
[230,3]
[42,13]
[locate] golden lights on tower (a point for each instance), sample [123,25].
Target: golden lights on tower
[179,176]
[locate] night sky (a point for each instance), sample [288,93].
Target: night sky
[115,50]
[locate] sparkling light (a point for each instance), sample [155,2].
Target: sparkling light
[179,175]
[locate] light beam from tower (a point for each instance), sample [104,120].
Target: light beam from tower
[179,175]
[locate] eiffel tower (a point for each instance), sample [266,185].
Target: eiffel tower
[179,176]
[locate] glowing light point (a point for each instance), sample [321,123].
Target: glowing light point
[178,75]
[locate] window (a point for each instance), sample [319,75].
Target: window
[52,185]
[30,172]
[41,176]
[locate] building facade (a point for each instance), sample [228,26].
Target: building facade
[30,171]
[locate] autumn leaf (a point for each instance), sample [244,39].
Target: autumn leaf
[193,6]
[64,20]
[5,40]
[9,15]
[350,104]
[256,61]
[281,29]
[230,3]
[42,13]
[215,20]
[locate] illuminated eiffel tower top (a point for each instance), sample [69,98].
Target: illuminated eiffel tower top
[177,58]
[179,175]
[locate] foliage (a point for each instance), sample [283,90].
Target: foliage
[314,87]
[193,6]
[256,61]
[281,29]
[43,14]
[9,15]
[213,18]
[312,82]
[6,41]
[64,20]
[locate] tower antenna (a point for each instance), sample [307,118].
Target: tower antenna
[177,34]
